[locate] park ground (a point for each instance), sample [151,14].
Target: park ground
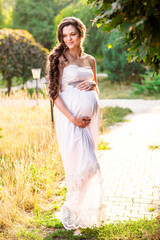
[130,170]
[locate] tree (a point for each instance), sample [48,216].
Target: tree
[19,53]
[116,64]
[59,5]
[1,15]
[7,9]
[139,21]
[37,17]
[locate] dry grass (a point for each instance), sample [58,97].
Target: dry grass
[22,94]
[111,91]
[30,164]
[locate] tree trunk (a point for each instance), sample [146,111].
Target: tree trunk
[9,84]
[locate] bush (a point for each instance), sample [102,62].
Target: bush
[19,53]
[149,86]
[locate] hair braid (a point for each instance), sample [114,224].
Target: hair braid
[54,70]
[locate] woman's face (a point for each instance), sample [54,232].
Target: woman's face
[71,37]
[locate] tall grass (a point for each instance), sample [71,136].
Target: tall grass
[30,164]
[24,94]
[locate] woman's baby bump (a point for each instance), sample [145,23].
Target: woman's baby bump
[86,103]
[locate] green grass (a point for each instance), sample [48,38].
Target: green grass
[154,147]
[151,209]
[48,228]
[112,115]
[143,229]
[103,146]
[119,91]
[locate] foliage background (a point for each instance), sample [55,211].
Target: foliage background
[40,18]
[139,21]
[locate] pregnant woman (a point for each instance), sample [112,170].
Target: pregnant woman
[73,89]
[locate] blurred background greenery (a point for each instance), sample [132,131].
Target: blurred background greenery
[40,19]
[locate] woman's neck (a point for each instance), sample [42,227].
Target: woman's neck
[75,53]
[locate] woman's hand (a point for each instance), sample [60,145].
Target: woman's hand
[86,85]
[81,121]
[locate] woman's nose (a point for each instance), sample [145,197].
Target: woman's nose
[69,37]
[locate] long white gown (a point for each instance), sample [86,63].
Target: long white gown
[84,206]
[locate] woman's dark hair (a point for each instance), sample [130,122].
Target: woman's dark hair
[59,49]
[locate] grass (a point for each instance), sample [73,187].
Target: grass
[119,91]
[32,185]
[110,116]
[30,166]
[143,229]
[103,146]
[154,147]
[151,209]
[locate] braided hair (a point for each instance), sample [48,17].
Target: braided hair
[59,50]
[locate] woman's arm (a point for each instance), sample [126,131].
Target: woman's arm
[79,121]
[93,65]
[90,85]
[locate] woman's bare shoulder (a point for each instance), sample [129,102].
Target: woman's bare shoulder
[91,60]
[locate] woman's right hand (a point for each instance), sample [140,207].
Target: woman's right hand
[81,121]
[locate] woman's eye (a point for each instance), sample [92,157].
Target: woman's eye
[73,34]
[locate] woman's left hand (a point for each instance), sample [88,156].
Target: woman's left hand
[86,85]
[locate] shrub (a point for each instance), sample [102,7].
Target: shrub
[149,86]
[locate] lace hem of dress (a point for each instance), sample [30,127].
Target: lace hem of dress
[76,181]
[89,218]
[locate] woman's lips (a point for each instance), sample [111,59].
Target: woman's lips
[70,43]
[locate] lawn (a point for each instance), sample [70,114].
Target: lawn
[110,90]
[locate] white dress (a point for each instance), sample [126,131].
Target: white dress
[84,206]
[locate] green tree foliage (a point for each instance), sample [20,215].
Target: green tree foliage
[36,16]
[19,53]
[116,64]
[7,9]
[95,37]
[139,21]
[59,5]
[1,15]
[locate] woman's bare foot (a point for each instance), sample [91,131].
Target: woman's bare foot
[77,232]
